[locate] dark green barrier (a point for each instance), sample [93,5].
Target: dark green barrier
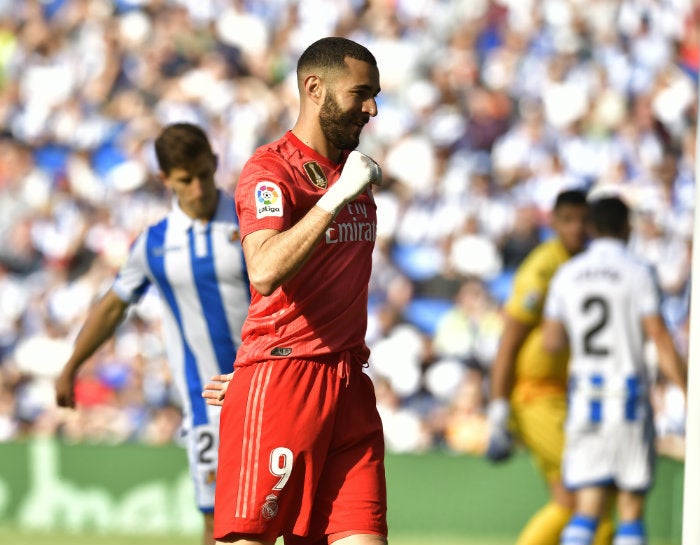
[460,495]
[45,485]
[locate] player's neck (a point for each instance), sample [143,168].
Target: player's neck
[203,217]
[314,138]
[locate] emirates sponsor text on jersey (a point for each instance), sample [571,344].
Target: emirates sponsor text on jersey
[355,230]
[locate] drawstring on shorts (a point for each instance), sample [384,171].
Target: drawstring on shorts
[345,363]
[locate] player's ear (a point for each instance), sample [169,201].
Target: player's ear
[162,178]
[313,85]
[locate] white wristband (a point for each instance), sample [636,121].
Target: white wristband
[499,412]
[331,201]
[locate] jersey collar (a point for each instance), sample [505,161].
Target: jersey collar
[313,154]
[605,243]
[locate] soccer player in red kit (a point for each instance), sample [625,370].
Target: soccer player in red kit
[301,442]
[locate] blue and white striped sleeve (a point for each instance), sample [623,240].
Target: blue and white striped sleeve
[133,281]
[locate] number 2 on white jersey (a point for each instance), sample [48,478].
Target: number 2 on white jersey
[281,461]
[600,309]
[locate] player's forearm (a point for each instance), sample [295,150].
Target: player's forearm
[502,374]
[100,325]
[272,259]
[670,363]
[503,369]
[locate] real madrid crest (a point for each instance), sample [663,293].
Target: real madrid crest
[315,174]
[270,508]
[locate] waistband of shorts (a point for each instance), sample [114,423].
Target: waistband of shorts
[354,356]
[348,357]
[346,362]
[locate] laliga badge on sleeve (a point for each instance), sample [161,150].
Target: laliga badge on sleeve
[268,200]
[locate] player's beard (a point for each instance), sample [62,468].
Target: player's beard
[340,128]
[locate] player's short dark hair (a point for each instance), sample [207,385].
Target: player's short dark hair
[179,144]
[570,197]
[609,216]
[329,54]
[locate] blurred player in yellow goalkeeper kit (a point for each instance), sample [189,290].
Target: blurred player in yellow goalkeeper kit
[528,384]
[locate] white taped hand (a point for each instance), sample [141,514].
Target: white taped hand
[500,445]
[359,170]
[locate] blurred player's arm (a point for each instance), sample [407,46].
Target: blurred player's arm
[503,369]
[554,336]
[671,364]
[515,332]
[100,324]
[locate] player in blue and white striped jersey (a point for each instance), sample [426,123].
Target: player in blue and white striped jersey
[194,259]
[604,303]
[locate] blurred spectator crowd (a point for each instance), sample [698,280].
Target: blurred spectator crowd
[488,109]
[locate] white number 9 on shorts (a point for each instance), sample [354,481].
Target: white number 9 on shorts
[281,461]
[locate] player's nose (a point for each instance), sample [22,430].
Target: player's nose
[370,106]
[197,187]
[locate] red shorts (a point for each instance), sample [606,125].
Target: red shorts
[301,453]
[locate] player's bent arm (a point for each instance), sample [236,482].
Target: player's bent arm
[273,257]
[554,337]
[500,445]
[100,324]
[503,369]
[670,362]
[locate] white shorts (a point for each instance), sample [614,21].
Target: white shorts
[615,454]
[202,444]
